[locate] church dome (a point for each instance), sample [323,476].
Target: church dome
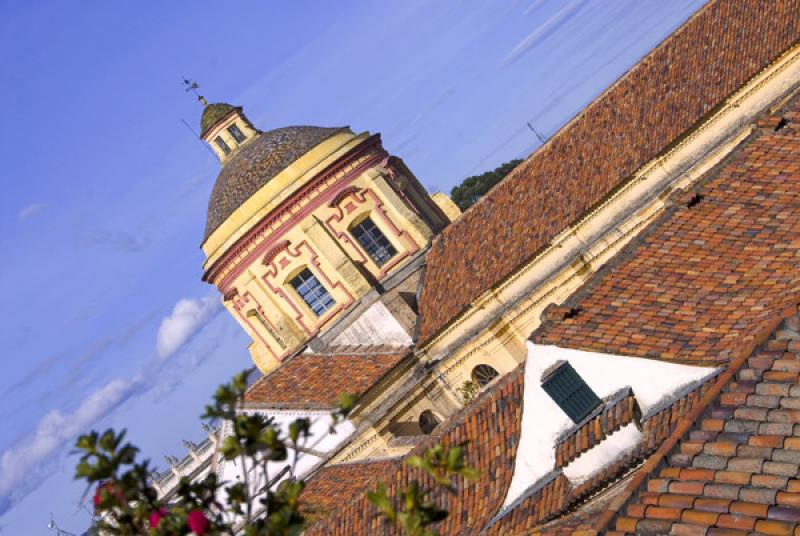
[247,171]
[212,114]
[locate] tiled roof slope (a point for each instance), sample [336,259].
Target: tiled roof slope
[700,278]
[737,469]
[490,428]
[721,47]
[316,381]
[334,485]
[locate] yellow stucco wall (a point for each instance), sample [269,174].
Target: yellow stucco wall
[221,130]
[313,231]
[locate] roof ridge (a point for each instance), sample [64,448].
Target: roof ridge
[687,422]
[578,163]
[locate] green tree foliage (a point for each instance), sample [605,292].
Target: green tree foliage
[473,188]
[261,503]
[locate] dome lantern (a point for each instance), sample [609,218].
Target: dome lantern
[225,128]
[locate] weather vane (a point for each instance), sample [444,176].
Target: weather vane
[193,86]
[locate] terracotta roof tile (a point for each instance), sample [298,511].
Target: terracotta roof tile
[699,279]
[333,485]
[490,429]
[639,117]
[311,380]
[731,481]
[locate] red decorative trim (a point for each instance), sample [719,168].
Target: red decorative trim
[245,319]
[371,144]
[272,253]
[342,194]
[230,294]
[379,210]
[275,284]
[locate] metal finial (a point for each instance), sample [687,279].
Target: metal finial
[193,86]
[52,525]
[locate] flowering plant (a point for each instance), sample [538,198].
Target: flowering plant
[127,504]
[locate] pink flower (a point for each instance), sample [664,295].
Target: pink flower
[156,516]
[197,522]
[111,489]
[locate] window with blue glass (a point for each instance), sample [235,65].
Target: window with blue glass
[222,145]
[237,134]
[374,242]
[313,293]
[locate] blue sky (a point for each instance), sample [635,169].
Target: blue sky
[105,321]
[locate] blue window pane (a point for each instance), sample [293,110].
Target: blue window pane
[222,145]
[374,242]
[313,293]
[236,133]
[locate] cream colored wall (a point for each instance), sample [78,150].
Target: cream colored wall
[316,234]
[221,130]
[446,205]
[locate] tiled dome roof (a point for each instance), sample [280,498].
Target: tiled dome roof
[255,164]
[212,114]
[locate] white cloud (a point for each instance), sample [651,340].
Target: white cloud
[542,31]
[31,210]
[187,317]
[20,466]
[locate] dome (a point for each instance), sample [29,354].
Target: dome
[255,164]
[212,115]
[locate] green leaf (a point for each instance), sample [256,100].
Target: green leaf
[381,501]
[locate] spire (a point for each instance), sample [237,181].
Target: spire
[193,86]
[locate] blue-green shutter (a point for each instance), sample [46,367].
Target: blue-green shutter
[570,392]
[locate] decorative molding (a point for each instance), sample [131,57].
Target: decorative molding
[276,286]
[270,255]
[230,294]
[348,167]
[362,197]
[338,198]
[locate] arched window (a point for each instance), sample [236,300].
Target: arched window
[428,422]
[313,293]
[373,241]
[483,374]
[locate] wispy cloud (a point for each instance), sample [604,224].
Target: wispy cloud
[22,466]
[31,210]
[542,31]
[533,7]
[188,316]
[116,240]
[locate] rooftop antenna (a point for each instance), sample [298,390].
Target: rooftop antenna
[193,86]
[538,134]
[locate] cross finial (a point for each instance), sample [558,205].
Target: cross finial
[193,86]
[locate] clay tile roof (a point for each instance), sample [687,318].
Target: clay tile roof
[316,381]
[490,427]
[212,114]
[725,44]
[333,485]
[699,278]
[255,164]
[736,468]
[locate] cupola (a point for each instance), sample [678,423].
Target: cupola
[225,128]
